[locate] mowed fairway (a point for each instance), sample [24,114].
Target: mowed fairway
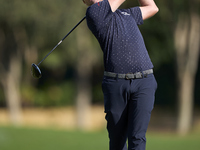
[165,141]
[37,139]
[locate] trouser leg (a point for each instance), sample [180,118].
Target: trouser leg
[128,109]
[115,100]
[117,130]
[139,112]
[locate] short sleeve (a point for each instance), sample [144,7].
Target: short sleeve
[137,15]
[98,14]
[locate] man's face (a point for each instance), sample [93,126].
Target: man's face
[88,2]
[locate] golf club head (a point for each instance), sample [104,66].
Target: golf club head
[35,70]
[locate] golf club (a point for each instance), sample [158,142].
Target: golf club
[35,70]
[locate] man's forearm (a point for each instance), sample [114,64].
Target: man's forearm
[148,8]
[146,2]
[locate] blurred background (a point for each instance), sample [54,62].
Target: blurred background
[67,102]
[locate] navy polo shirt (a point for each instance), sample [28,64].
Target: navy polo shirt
[119,37]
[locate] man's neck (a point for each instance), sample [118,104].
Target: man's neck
[96,1]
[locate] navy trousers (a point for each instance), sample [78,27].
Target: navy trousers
[128,106]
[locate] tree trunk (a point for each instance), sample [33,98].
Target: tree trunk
[11,86]
[11,76]
[185,105]
[187,53]
[83,100]
[84,70]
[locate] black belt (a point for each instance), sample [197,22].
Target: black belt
[129,75]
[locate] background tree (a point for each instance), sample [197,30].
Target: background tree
[87,59]
[187,46]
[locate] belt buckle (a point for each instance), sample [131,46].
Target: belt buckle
[145,75]
[127,76]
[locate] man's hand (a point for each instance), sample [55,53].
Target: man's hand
[148,8]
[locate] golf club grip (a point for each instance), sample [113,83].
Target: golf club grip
[61,41]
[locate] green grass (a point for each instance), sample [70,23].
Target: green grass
[12,138]
[163,141]
[37,139]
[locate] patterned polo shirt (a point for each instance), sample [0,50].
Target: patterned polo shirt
[119,37]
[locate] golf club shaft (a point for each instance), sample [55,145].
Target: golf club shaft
[60,42]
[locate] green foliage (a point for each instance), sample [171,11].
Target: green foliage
[97,94]
[61,94]
[2,99]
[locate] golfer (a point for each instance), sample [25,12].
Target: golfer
[128,85]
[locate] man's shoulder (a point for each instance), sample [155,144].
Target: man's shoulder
[99,5]
[99,11]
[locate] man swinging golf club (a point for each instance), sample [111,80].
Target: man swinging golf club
[128,85]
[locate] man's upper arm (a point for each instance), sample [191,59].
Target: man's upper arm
[148,8]
[114,4]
